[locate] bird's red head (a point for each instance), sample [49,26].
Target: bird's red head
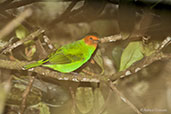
[91,40]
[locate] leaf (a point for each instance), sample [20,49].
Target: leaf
[116,54]
[42,107]
[99,60]
[98,101]
[18,87]
[84,99]
[21,32]
[131,54]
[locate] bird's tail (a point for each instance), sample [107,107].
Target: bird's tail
[35,64]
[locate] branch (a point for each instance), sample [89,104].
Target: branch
[25,95]
[123,98]
[112,38]
[14,23]
[17,65]
[140,65]
[31,36]
[44,72]
[5,6]
[85,78]
[117,37]
[158,55]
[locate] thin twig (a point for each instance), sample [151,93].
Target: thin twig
[41,49]
[138,32]
[123,98]
[20,42]
[166,42]
[89,72]
[25,94]
[142,25]
[14,23]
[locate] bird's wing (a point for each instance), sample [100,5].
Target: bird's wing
[60,58]
[67,54]
[65,59]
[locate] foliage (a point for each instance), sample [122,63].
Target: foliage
[131,54]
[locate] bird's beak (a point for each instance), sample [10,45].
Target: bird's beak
[96,41]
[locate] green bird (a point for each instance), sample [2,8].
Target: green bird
[69,57]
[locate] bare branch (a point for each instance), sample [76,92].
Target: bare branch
[18,65]
[166,42]
[20,42]
[123,98]
[25,94]
[112,38]
[117,37]
[13,65]
[14,23]
[19,3]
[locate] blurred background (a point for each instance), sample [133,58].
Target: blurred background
[65,21]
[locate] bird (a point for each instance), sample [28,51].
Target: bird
[69,57]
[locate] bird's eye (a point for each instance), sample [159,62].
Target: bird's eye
[91,38]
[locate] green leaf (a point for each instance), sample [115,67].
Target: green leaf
[84,99]
[131,54]
[99,60]
[18,87]
[116,54]
[21,32]
[98,101]
[42,107]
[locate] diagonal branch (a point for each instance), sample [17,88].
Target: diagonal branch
[14,23]
[158,55]
[20,3]
[25,95]
[140,65]
[31,36]
[123,98]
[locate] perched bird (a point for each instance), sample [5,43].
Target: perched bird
[69,57]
